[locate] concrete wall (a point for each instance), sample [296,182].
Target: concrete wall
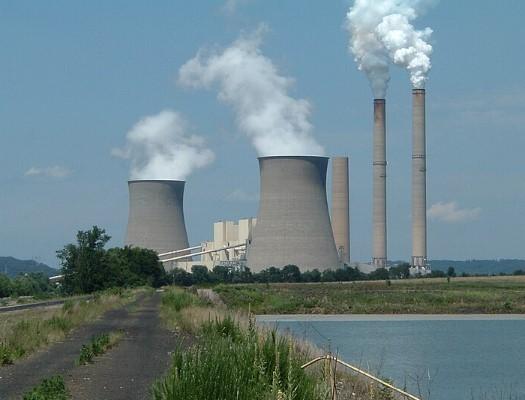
[293,225]
[156,216]
[340,207]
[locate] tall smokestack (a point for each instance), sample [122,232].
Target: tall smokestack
[340,207]
[156,216]
[419,172]
[379,251]
[293,225]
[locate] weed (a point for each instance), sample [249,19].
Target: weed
[49,389]
[99,345]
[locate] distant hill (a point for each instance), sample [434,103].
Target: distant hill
[12,267]
[488,267]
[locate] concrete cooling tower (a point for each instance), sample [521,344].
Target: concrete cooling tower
[156,216]
[293,225]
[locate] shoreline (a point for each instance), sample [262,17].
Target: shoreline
[268,318]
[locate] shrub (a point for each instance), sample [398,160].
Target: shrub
[50,389]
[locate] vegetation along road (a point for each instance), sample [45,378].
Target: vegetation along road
[126,371]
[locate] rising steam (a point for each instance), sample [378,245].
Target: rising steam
[160,147]
[381,30]
[369,53]
[277,123]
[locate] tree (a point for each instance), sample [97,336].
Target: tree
[291,273]
[83,263]
[6,287]
[401,271]
[311,276]
[379,274]
[200,274]
[180,277]
[451,272]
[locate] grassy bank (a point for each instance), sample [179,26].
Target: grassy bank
[21,333]
[246,363]
[489,295]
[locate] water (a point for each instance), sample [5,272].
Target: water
[452,358]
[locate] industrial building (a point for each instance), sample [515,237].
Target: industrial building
[228,248]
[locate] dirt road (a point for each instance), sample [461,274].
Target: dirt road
[125,372]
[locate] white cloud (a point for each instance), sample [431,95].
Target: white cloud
[55,171]
[240,195]
[451,213]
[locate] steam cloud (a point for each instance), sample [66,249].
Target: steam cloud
[160,147]
[249,82]
[381,30]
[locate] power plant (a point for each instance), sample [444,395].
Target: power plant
[293,224]
[156,215]
[379,233]
[341,208]
[419,182]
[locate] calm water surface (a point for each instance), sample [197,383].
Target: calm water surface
[464,358]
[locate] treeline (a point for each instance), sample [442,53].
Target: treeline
[290,273]
[32,284]
[88,266]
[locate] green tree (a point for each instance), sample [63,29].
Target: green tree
[6,287]
[451,272]
[401,271]
[83,263]
[291,273]
[200,274]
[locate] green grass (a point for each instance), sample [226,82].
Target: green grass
[98,345]
[460,295]
[23,333]
[49,389]
[244,364]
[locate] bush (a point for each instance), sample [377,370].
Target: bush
[50,389]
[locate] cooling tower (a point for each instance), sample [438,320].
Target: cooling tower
[340,208]
[293,225]
[156,216]
[419,183]
[379,254]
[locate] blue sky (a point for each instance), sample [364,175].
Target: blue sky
[76,76]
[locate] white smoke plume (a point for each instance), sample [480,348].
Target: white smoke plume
[369,53]
[381,30]
[160,147]
[277,123]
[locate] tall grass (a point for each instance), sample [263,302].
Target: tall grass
[231,359]
[231,363]
[25,332]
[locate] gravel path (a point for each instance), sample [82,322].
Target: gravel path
[125,372]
